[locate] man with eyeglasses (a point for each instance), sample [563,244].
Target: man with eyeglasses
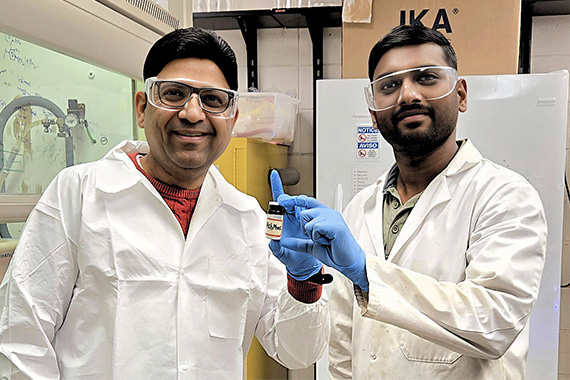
[147,264]
[442,256]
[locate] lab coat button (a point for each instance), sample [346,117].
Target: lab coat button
[373,356]
[181,272]
[395,229]
[396,204]
[184,368]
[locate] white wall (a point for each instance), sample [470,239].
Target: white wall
[550,51]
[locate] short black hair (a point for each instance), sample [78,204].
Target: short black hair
[410,35]
[192,43]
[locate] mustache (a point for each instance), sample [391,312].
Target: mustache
[412,107]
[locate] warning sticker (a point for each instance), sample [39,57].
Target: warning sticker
[367,142]
[367,145]
[369,132]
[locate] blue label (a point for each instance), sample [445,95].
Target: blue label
[368,145]
[367,130]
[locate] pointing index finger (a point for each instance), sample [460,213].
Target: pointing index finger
[276,185]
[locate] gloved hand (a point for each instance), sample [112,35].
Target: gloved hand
[331,240]
[300,265]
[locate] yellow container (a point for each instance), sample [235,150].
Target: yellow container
[246,164]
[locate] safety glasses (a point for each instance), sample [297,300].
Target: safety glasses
[431,82]
[172,95]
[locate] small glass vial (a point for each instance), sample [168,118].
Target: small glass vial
[274,226]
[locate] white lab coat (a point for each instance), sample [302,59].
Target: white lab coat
[104,285]
[453,299]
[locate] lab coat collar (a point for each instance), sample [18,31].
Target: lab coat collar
[113,177]
[467,157]
[116,172]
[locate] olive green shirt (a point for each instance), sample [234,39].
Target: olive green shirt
[395,213]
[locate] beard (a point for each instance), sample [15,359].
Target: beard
[414,140]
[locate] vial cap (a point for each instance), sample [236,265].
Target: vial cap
[275,208]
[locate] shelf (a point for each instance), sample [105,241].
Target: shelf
[249,22]
[270,18]
[550,7]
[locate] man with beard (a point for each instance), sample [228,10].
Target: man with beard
[442,256]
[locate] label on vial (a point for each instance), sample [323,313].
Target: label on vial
[274,227]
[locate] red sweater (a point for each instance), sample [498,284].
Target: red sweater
[182,202]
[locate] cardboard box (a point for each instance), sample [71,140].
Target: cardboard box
[485,34]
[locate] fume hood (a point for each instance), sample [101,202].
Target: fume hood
[102,32]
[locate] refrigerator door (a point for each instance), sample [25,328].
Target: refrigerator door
[518,121]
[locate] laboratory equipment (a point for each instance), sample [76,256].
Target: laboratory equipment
[65,123]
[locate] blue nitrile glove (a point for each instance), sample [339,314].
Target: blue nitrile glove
[300,265]
[331,240]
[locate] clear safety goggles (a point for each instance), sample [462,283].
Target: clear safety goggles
[172,95]
[431,82]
